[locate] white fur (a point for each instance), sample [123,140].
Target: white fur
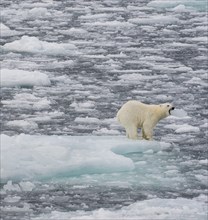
[134,115]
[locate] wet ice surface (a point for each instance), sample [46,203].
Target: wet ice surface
[76,63]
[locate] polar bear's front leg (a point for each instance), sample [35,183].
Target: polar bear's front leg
[147,132]
[131,132]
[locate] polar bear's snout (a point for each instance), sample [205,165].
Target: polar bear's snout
[171,109]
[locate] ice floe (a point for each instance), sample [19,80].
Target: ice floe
[6,31]
[17,77]
[179,113]
[27,101]
[38,157]
[155,19]
[34,45]
[38,12]
[22,125]
[183,128]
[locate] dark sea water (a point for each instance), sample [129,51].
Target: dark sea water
[93,56]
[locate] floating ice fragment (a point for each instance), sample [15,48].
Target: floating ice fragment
[12,199]
[27,101]
[11,187]
[179,8]
[202,179]
[26,186]
[196,4]
[34,45]
[187,128]
[38,12]
[204,162]
[6,31]
[16,77]
[155,19]
[179,113]
[114,24]
[196,81]
[22,124]
[87,120]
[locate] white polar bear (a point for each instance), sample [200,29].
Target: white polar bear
[134,115]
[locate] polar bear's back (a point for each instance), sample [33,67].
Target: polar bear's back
[132,112]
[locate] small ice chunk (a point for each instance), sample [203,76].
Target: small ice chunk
[180,8]
[27,186]
[34,45]
[12,199]
[16,77]
[6,31]
[87,120]
[27,101]
[22,124]
[186,129]
[155,19]
[202,179]
[196,81]
[38,12]
[11,187]
[179,113]
[203,162]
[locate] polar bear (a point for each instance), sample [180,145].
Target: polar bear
[135,114]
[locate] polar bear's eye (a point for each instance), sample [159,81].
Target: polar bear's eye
[168,105]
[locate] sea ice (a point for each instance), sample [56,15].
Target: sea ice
[87,120]
[6,31]
[22,124]
[187,129]
[179,113]
[182,128]
[10,199]
[27,101]
[114,24]
[155,19]
[197,81]
[34,45]
[180,8]
[17,77]
[83,106]
[156,208]
[38,12]
[136,78]
[29,157]
[197,4]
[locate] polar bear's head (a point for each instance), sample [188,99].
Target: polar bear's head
[167,108]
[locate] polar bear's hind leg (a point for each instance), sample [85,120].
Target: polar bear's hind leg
[131,132]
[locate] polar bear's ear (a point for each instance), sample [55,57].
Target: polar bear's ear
[160,105]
